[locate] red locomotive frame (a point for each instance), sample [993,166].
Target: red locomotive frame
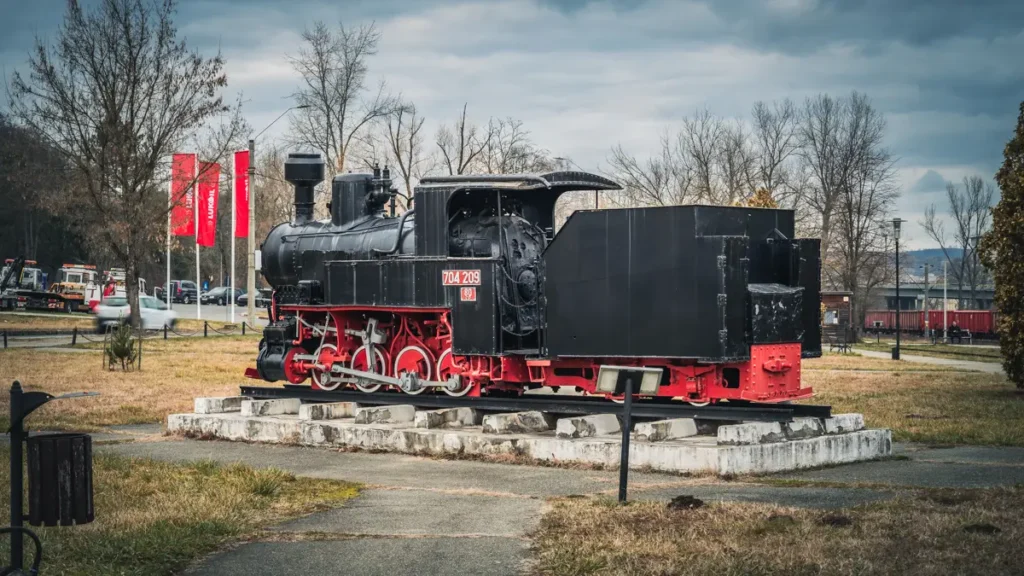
[419,341]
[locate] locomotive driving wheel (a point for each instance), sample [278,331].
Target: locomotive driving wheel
[446,366]
[415,360]
[359,362]
[323,378]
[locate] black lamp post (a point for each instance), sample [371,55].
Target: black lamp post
[896,235]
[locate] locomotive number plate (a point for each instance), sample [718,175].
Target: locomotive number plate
[460,277]
[467,293]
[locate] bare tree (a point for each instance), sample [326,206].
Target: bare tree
[864,198]
[462,143]
[510,150]
[338,104]
[116,95]
[775,136]
[969,208]
[404,135]
[662,180]
[826,155]
[735,163]
[700,140]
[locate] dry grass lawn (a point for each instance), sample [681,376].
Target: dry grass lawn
[921,403]
[154,518]
[929,532]
[173,373]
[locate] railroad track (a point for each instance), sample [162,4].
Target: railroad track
[552,403]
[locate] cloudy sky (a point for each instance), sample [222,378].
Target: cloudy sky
[586,75]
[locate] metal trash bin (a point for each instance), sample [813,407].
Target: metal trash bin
[59,479]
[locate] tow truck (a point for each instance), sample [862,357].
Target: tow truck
[77,284]
[23,287]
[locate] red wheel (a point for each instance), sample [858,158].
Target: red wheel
[359,363]
[323,379]
[290,372]
[446,366]
[416,360]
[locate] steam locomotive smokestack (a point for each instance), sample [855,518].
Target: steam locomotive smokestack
[304,171]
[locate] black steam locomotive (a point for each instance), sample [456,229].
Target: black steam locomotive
[471,291]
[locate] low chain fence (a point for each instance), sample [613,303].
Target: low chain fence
[56,337]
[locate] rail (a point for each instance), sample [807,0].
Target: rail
[552,403]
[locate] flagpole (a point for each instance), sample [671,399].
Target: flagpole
[195,227]
[234,210]
[170,208]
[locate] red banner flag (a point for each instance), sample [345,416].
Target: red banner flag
[241,187]
[209,181]
[183,175]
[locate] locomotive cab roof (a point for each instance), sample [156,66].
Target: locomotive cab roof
[558,182]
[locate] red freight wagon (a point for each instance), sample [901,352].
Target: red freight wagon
[980,323]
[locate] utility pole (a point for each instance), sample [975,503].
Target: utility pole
[896,235]
[927,325]
[250,281]
[945,305]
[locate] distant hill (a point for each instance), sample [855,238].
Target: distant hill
[932,256]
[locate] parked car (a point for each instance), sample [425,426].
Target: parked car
[262,298]
[115,310]
[221,295]
[183,291]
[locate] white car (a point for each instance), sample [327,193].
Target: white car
[115,310]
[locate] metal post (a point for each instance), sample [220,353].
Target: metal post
[250,281]
[165,331]
[206,325]
[627,423]
[5,339]
[195,231]
[17,510]
[927,323]
[170,208]
[896,350]
[243,328]
[74,335]
[945,306]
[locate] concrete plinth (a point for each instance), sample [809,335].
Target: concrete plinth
[750,433]
[219,404]
[446,418]
[801,428]
[693,454]
[327,411]
[397,414]
[665,429]
[518,422]
[270,407]
[842,423]
[587,426]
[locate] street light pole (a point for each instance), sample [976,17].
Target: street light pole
[250,281]
[896,235]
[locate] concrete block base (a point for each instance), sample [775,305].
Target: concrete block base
[395,414]
[587,426]
[270,407]
[327,410]
[446,418]
[692,454]
[218,405]
[518,422]
[665,429]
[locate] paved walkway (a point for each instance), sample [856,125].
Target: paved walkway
[425,516]
[989,367]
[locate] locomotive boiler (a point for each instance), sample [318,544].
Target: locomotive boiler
[471,291]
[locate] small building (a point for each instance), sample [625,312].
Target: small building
[835,307]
